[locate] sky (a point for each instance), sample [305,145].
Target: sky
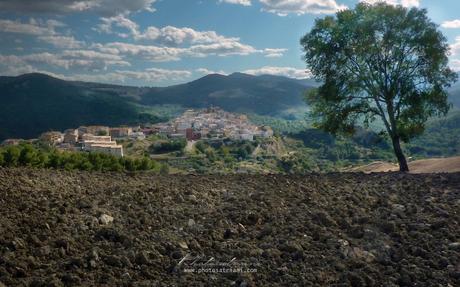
[165,42]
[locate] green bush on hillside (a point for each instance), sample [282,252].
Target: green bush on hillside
[166,146]
[30,156]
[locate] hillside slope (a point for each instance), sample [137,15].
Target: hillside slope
[307,230]
[265,95]
[35,103]
[454,94]
[454,98]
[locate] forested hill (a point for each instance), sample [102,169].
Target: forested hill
[264,95]
[454,96]
[33,103]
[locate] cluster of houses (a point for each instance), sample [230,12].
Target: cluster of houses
[93,138]
[208,124]
[213,123]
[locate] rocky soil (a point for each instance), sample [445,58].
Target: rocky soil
[61,228]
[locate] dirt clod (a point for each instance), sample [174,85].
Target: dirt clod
[60,228]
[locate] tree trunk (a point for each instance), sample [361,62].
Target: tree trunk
[403,167]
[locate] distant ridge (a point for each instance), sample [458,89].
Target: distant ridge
[35,102]
[237,92]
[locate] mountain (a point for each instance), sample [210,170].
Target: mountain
[454,97]
[454,94]
[238,92]
[34,103]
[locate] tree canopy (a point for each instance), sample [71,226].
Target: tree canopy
[378,62]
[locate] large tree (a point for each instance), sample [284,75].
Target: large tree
[378,62]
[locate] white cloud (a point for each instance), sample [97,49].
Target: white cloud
[90,54]
[280,71]
[45,31]
[12,65]
[152,75]
[151,53]
[168,35]
[120,21]
[454,24]
[34,27]
[405,3]
[206,71]
[68,59]
[274,53]
[50,59]
[173,43]
[410,3]
[300,7]
[239,2]
[66,42]
[455,47]
[174,35]
[226,47]
[155,75]
[102,7]
[455,65]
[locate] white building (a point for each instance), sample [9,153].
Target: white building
[103,144]
[93,138]
[71,136]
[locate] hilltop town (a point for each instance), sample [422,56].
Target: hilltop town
[206,124]
[213,123]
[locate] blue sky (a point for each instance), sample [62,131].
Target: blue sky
[164,42]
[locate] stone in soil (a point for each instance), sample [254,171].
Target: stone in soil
[109,229]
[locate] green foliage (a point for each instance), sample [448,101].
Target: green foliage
[165,146]
[235,93]
[28,155]
[102,133]
[244,150]
[279,125]
[200,146]
[315,138]
[378,61]
[46,103]
[160,112]
[210,154]
[164,169]
[228,151]
[442,138]
[149,118]
[297,163]
[11,156]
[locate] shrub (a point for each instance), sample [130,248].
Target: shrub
[167,146]
[28,155]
